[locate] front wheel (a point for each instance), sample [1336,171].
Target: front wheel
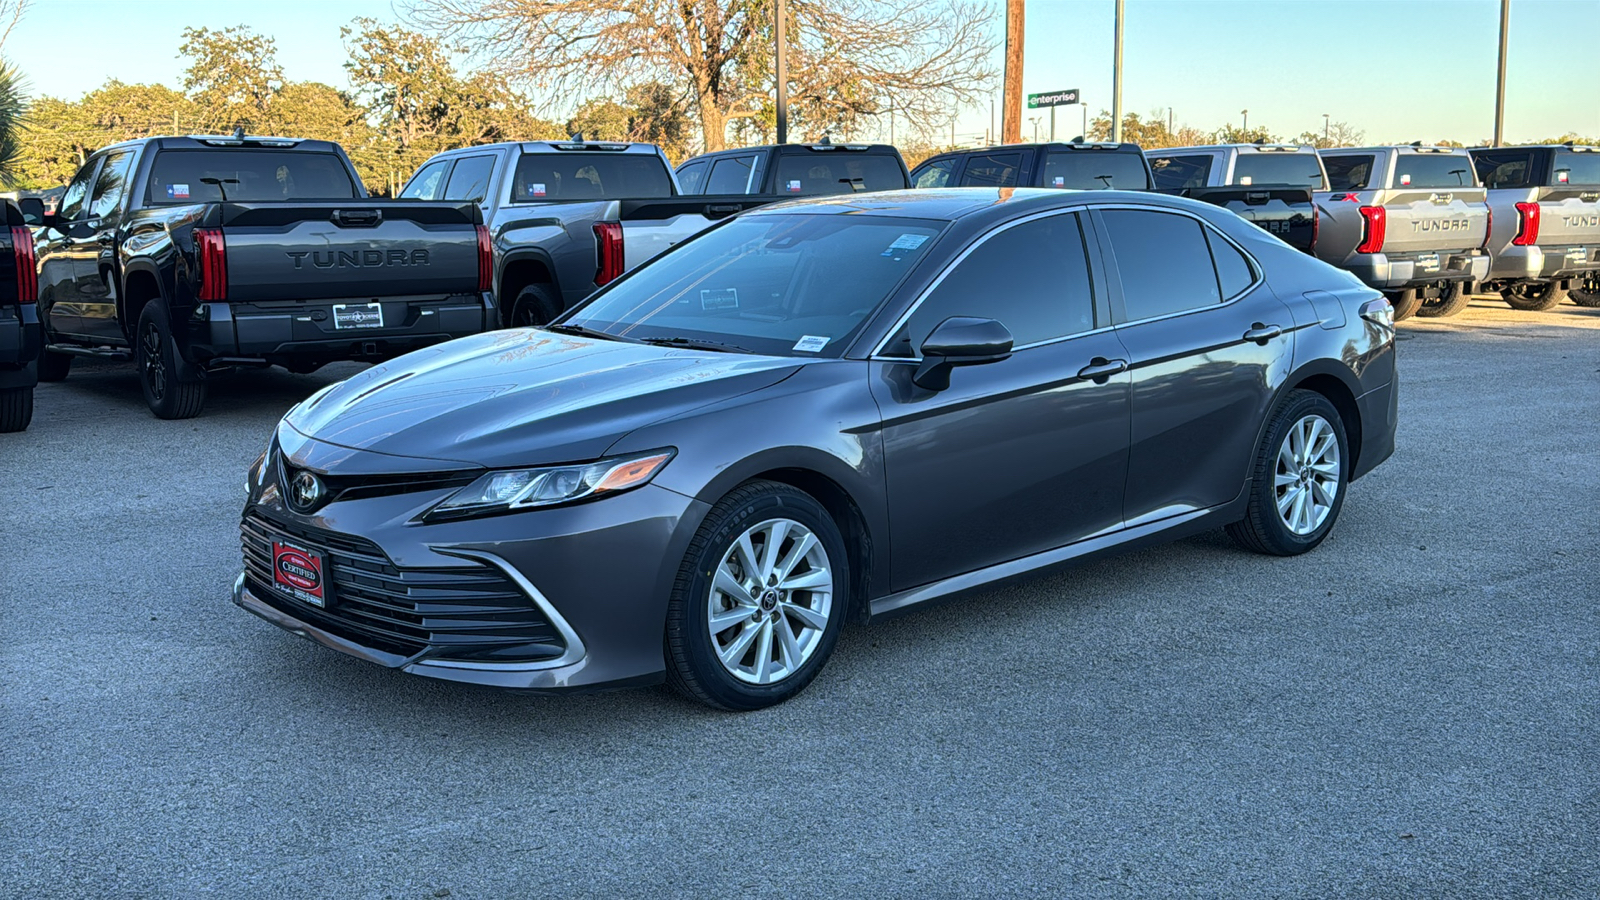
[16,409]
[169,394]
[1405,303]
[1452,299]
[1534,297]
[760,600]
[1298,480]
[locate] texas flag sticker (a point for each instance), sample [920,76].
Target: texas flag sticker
[794,186]
[177,192]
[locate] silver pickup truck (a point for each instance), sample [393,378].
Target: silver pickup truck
[1546,240]
[1272,185]
[1410,221]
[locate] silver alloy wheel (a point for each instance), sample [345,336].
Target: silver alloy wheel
[769,602]
[1306,481]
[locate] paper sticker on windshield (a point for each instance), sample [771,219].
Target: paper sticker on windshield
[794,186]
[719,298]
[810,343]
[905,242]
[177,192]
[536,189]
[1059,181]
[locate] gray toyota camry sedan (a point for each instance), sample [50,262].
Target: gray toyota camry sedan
[814,412]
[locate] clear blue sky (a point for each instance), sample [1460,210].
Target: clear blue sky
[1402,70]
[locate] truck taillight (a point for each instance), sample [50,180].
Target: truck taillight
[608,239]
[485,260]
[1527,225]
[1488,228]
[1374,223]
[27,264]
[212,255]
[1316,226]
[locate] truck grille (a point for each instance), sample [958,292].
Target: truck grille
[470,612]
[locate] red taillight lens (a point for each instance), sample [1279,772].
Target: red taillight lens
[1527,225]
[1374,223]
[212,255]
[608,238]
[485,260]
[1488,228]
[27,265]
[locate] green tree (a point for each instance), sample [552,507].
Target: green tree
[13,114]
[648,112]
[233,75]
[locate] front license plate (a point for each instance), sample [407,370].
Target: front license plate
[349,315]
[1429,262]
[300,573]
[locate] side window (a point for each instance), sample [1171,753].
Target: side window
[1348,173]
[470,179]
[110,187]
[1032,278]
[1163,261]
[72,202]
[692,178]
[1234,274]
[428,183]
[992,170]
[1178,172]
[729,175]
[935,174]
[1502,169]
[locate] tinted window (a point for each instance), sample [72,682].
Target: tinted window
[1298,169]
[730,175]
[1503,168]
[1580,168]
[110,187]
[824,172]
[992,170]
[692,178]
[1176,172]
[934,174]
[1095,170]
[782,284]
[1348,173]
[1163,261]
[1032,278]
[77,191]
[428,183]
[564,175]
[1233,270]
[1432,170]
[470,178]
[205,176]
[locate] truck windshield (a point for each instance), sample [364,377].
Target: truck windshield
[781,285]
[1582,167]
[1095,170]
[823,172]
[568,175]
[209,176]
[1433,170]
[1298,169]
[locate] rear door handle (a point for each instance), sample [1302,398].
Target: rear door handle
[1262,333]
[1099,370]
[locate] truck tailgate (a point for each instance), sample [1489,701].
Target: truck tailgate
[339,249]
[1569,219]
[1427,220]
[1284,212]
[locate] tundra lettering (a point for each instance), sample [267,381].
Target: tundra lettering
[1441,225]
[1581,221]
[358,259]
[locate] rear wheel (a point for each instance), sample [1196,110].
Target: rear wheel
[1405,303]
[1589,294]
[535,305]
[1297,482]
[16,409]
[54,366]
[1452,299]
[1531,297]
[168,393]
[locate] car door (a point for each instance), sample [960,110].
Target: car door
[1019,456]
[67,254]
[1208,342]
[97,285]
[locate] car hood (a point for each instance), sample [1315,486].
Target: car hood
[524,397]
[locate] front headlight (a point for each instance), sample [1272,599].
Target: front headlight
[515,489]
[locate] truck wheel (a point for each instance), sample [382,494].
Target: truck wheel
[1405,303]
[1534,297]
[1453,298]
[168,394]
[54,366]
[535,305]
[16,409]
[1588,295]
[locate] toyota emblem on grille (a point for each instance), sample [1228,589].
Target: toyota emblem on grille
[305,491]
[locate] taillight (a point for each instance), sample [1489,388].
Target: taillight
[1488,228]
[1527,225]
[1316,226]
[27,265]
[608,238]
[1378,312]
[485,260]
[212,254]
[1374,223]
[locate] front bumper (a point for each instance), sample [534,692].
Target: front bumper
[1379,270]
[1544,263]
[279,330]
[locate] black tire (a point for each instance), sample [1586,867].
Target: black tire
[1587,296]
[1534,297]
[1405,303]
[54,366]
[535,305]
[1263,529]
[694,667]
[168,394]
[1453,298]
[16,409]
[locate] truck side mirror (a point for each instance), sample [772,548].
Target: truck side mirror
[32,210]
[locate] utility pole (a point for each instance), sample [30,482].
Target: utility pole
[1035,121]
[1011,112]
[992,132]
[1500,76]
[1116,79]
[782,13]
[1169,120]
[1325,129]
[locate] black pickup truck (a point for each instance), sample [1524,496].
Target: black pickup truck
[19,321]
[192,254]
[795,170]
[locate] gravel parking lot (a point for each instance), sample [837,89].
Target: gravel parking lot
[1409,711]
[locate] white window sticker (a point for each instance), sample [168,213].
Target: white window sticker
[1405,179]
[794,186]
[810,343]
[177,192]
[1245,180]
[536,189]
[1561,175]
[905,242]
[1059,181]
[719,298]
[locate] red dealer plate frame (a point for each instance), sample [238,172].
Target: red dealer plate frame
[300,573]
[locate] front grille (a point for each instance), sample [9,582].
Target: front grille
[470,612]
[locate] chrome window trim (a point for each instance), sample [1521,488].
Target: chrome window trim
[1255,265]
[575,648]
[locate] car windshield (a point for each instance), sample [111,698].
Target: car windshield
[248,175]
[795,284]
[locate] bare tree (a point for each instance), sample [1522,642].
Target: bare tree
[929,56]
[11,12]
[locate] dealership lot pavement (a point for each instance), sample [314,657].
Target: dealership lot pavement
[1413,710]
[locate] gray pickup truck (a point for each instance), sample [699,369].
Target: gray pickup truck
[1546,237]
[566,217]
[1272,185]
[1410,221]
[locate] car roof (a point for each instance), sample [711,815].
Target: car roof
[1425,148]
[952,204]
[1581,148]
[1123,147]
[208,141]
[1272,148]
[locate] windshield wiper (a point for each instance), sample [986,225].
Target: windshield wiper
[586,331]
[694,344]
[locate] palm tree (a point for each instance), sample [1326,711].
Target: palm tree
[13,112]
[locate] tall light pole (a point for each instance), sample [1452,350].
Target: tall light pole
[783,73]
[1244,124]
[1011,112]
[1116,79]
[1035,120]
[1325,129]
[1500,76]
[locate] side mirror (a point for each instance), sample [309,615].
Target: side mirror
[32,210]
[960,341]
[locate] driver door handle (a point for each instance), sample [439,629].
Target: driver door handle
[1262,333]
[1099,370]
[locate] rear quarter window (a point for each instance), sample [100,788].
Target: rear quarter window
[1163,260]
[563,175]
[1349,173]
[1178,172]
[692,177]
[1433,170]
[838,172]
[1297,169]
